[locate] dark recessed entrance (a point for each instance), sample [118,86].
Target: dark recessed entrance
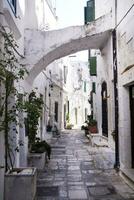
[132,121]
[104,109]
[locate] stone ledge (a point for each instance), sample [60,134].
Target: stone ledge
[128,176]
[37,160]
[98,140]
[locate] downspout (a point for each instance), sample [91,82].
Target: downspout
[2,135]
[115,74]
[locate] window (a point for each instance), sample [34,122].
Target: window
[12,5]
[68,105]
[94,87]
[85,86]
[93,71]
[89,11]
[85,114]
[65,70]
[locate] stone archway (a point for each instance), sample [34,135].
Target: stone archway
[43,47]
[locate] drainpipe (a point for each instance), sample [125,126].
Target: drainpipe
[2,135]
[115,73]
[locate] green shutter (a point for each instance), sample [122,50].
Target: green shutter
[92,61]
[89,11]
[85,86]
[94,87]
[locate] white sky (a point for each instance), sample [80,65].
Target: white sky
[71,13]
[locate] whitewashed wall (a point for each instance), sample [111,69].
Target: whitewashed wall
[125,42]
[104,72]
[78,99]
[33,15]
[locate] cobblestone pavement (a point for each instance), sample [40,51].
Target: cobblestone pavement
[78,171]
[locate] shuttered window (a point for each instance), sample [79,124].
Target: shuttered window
[94,87]
[92,65]
[85,86]
[12,4]
[89,11]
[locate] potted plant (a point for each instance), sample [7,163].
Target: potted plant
[85,127]
[11,72]
[20,184]
[92,124]
[68,124]
[38,150]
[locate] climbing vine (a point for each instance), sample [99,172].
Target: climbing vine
[11,72]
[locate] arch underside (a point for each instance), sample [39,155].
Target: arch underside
[92,42]
[42,48]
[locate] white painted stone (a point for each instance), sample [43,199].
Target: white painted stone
[125,78]
[21,185]
[52,45]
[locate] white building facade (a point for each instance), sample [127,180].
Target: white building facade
[125,63]
[101,72]
[18,16]
[76,92]
[113,100]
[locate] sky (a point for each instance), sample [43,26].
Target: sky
[70,13]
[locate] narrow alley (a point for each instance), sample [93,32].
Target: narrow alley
[79,171]
[66,67]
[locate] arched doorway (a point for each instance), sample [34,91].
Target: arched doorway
[104,109]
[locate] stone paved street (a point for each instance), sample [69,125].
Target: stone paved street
[78,171]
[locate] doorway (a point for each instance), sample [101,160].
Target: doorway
[132,122]
[56,111]
[104,109]
[64,115]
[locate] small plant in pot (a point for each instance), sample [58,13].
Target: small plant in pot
[68,124]
[92,124]
[41,147]
[85,127]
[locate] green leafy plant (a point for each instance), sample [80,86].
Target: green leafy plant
[91,121]
[11,72]
[41,147]
[92,124]
[67,118]
[33,108]
[69,126]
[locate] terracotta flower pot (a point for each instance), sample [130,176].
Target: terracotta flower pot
[93,129]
